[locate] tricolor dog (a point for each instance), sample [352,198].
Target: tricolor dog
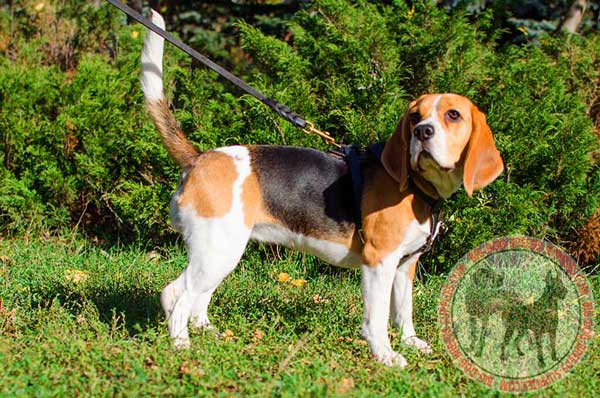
[301,198]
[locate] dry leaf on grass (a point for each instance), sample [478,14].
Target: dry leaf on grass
[258,334]
[346,385]
[76,276]
[299,282]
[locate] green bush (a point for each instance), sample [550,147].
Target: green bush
[80,149]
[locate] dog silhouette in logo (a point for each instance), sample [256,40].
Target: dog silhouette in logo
[540,317]
[484,297]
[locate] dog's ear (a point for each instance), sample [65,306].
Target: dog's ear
[396,156]
[483,163]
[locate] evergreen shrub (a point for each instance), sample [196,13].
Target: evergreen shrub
[79,148]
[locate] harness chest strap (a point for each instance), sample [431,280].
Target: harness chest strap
[354,158]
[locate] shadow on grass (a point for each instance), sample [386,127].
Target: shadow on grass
[137,310]
[133,308]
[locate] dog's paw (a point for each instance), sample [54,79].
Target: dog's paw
[200,322]
[181,343]
[419,344]
[391,359]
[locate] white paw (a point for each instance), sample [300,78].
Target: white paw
[391,359]
[419,344]
[200,322]
[181,343]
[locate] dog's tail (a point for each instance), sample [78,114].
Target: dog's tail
[178,146]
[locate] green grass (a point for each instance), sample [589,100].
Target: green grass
[105,335]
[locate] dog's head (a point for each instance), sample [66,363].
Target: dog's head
[445,139]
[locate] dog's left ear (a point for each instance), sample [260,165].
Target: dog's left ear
[483,163]
[396,156]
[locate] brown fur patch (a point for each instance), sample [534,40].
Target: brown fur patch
[178,146]
[411,271]
[387,212]
[458,131]
[483,163]
[208,187]
[250,199]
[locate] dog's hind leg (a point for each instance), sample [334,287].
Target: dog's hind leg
[473,332]
[552,335]
[485,319]
[211,212]
[510,329]
[200,311]
[540,352]
[208,266]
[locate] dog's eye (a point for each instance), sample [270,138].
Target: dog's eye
[415,118]
[453,115]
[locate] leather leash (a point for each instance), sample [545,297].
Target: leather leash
[282,110]
[351,154]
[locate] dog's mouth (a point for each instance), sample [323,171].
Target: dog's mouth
[427,161]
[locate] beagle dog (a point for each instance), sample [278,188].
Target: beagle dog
[301,198]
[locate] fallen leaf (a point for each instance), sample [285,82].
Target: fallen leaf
[184,368]
[258,334]
[283,277]
[153,256]
[430,364]
[191,369]
[149,362]
[346,385]
[76,276]
[524,30]
[228,335]
[298,282]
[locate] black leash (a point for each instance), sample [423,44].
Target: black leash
[353,156]
[280,109]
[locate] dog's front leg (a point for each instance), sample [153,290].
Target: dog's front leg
[377,287]
[402,304]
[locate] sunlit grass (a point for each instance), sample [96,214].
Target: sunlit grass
[78,320]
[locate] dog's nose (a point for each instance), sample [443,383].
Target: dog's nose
[424,132]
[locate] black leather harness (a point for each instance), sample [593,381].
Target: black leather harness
[355,157]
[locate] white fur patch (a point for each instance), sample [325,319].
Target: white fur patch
[332,252]
[152,55]
[436,145]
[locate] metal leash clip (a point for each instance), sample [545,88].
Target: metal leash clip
[323,134]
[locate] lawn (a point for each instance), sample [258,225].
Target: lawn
[79,320]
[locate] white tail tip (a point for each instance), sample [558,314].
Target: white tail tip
[152,55]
